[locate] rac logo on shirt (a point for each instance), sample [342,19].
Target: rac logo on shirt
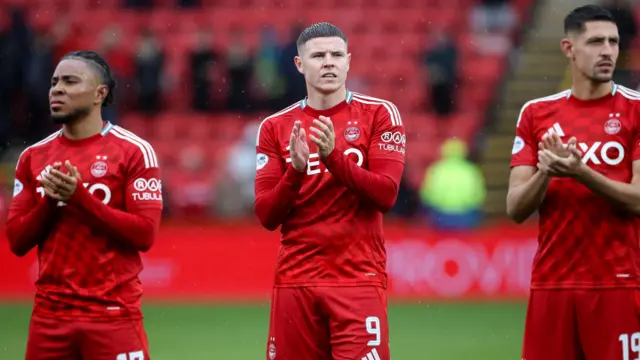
[314,166]
[147,189]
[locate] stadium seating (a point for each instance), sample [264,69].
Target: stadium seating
[387,38]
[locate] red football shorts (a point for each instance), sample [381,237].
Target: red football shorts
[53,339]
[328,323]
[582,324]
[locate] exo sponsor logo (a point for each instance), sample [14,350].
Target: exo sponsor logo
[99,190]
[393,141]
[315,166]
[147,189]
[611,153]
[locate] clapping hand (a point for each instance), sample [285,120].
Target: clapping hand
[557,160]
[324,137]
[298,148]
[59,185]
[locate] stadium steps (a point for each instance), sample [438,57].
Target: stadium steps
[539,70]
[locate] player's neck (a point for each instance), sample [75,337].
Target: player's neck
[320,101]
[83,128]
[589,90]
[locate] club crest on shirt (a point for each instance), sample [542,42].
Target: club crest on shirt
[352,133]
[613,125]
[100,167]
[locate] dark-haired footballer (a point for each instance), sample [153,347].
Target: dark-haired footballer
[89,198]
[327,192]
[576,159]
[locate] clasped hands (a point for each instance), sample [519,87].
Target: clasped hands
[59,185]
[556,159]
[323,135]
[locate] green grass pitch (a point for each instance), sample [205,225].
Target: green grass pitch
[427,331]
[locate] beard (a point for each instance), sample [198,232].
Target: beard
[599,78]
[71,116]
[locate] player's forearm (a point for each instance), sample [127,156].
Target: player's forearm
[524,199]
[24,231]
[135,230]
[379,186]
[622,194]
[275,197]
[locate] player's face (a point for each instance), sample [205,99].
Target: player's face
[75,91]
[594,52]
[324,62]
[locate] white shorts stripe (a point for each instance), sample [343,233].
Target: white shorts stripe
[392,105]
[372,355]
[283,111]
[145,154]
[396,120]
[152,154]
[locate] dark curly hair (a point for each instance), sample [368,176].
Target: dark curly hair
[100,66]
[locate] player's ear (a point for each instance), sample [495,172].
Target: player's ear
[348,61]
[298,61]
[567,47]
[101,93]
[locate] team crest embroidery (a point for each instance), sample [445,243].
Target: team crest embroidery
[100,167]
[613,125]
[352,133]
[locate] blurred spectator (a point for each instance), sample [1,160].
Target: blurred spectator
[492,22]
[622,11]
[453,190]
[239,64]
[191,186]
[64,43]
[138,4]
[40,67]
[236,190]
[120,61]
[294,84]
[493,16]
[187,4]
[441,62]
[203,60]
[16,57]
[149,73]
[267,71]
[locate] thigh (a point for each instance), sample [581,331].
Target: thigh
[298,329]
[51,339]
[609,323]
[358,322]
[114,340]
[551,331]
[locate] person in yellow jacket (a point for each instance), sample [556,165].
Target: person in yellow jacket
[453,190]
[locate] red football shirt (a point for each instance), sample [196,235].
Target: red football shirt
[585,241]
[88,249]
[331,214]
